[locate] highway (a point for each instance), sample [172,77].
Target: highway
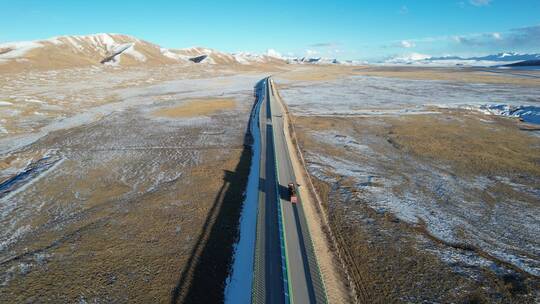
[285,267]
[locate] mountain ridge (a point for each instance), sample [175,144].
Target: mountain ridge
[487,60]
[111,49]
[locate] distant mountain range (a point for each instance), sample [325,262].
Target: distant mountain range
[113,50]
[322,60]
[526,63]
[489,60]
[123,50]
[510,56]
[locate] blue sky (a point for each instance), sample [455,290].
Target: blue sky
[365,30]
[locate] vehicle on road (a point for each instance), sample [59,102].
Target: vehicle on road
[292,193]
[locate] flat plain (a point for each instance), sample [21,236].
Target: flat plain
[435,198]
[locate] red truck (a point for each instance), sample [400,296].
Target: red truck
[292,193]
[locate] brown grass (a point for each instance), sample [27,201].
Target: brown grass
[457,138]
[468,144]
[447,74]
[390,266]
[108,235]
[317,73]
[197,107]
[331,72]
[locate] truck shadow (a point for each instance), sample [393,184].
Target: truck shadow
[202,280]
[283,191]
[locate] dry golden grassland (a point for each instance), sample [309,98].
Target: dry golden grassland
[197,107]
[142,209]
[468,144]
[448,74]
[388,253]
[467,75]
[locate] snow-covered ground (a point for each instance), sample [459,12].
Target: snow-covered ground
[75,97]
[429,195]
[367,95]
[113,159]
[143,98]
[438,199]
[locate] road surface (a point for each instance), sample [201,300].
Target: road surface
[285,267]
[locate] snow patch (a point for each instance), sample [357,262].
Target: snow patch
[17,49]
[172,55]
[366,95]
[273,53]
[134,53]
[526,113]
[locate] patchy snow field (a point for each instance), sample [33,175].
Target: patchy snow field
[97,193]
[356,133]
[368,95]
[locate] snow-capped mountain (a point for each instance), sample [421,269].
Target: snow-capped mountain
[489,60]
[510,56]
[218,57]
[316,60]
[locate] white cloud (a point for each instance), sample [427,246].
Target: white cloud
[480,2]
[407,44]
[497,36]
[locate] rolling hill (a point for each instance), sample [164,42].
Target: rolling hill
[111,49]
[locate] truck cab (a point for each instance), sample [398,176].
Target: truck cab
[293,197]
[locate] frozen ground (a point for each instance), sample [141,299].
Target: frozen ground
[483,222]
[368,95]
[67,98]
[439,199]
[104,194]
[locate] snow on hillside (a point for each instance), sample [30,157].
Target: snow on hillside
[79,43]
[67,51]
[14,50]
[218,57]
[118,49]
[175,56]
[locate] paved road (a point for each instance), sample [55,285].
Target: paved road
[286,269]
[268,285]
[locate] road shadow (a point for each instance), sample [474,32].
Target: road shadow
[203,278]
